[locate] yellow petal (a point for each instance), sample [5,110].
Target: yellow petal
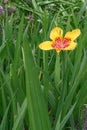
[58,51]
[47,45]
[73,34]
[71,46]
[55,33]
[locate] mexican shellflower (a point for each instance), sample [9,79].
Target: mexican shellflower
[58,42]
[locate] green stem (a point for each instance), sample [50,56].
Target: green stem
[46,84]
[63,75]
[63,90]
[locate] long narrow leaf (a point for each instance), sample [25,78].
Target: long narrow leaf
[38,116]
[20,116]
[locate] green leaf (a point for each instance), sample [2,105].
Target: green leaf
[67,117]
[4,120]
[38,115]
[59,126]
[20,116]
[77,80]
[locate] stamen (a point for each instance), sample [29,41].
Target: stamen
[61,43]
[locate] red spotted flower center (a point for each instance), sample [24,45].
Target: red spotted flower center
[61,43]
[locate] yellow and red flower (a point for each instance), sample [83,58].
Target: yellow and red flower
[59,42]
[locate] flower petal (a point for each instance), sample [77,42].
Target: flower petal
[47,45]
[73,35]
[58,51]
[71,46]
[55,33]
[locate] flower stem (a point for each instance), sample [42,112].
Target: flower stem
[63,85]
[63,58]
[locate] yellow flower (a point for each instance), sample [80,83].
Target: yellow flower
[59,42]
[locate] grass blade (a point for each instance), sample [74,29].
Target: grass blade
[38,116]
[20,116]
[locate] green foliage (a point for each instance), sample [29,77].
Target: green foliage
[42,90]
